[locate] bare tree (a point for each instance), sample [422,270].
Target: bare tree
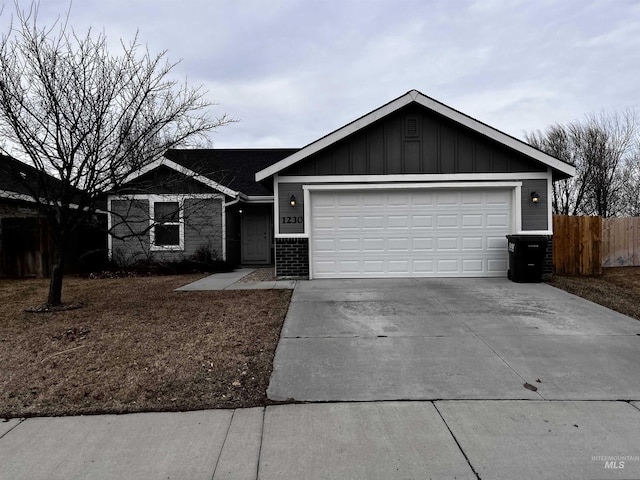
[599,147]
[630,188]
[90,118]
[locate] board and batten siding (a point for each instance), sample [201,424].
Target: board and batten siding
[414,140]
[202,229]
[290,219]
[535,216]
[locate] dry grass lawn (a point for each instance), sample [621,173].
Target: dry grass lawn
[617,289]
[135,345]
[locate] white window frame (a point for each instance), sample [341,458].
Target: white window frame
[153,199]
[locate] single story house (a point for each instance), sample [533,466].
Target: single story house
[413,188]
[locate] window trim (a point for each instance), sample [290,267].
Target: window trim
[153,199]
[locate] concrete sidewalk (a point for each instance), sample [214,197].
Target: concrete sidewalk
[377,440]
[231,281]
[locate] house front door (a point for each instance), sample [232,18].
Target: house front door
[256,236]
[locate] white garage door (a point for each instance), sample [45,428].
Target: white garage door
[410,233]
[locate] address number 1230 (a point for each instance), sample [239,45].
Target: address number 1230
[291,219]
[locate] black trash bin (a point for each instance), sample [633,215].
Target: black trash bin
[526,256]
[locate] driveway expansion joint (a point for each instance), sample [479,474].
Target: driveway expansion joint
[455,439]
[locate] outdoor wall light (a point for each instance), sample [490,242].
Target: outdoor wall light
[535,198]
[292,200]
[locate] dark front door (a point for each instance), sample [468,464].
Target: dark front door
[256,236]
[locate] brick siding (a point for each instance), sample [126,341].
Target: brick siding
[547,265]
[292,257]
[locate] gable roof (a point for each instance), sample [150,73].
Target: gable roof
[234,168]
[20,181]
[229,171]
[415,96]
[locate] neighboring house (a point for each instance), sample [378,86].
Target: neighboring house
[414,188]
[26,243]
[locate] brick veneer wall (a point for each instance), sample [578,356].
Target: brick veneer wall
[292,257]
[547,265]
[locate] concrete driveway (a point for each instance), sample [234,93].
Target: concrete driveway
[439,339]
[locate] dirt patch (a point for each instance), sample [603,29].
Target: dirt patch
[260,275]
[617,289]
[135,345]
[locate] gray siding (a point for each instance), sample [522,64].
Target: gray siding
[202,229]
[415,140]
[290,219]
[130,221]
[534,215]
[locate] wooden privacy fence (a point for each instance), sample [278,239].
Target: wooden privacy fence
[577,245]
[621,242]
[583,245]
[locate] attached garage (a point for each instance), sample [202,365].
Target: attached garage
[415,232]
[411,189]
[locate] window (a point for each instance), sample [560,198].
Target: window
[167,230]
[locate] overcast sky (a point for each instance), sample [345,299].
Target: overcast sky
[294,70]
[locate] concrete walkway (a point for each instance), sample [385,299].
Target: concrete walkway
[231,281]
[376,440]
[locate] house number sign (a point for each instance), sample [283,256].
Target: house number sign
[291,219]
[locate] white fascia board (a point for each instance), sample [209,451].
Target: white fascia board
[184,171]
[408,186]
[162,197]
[16,196]
[427,102]
[259,199]
[43,201]
[435,177]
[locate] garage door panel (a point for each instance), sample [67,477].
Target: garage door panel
[398,244]
[471,221]
[373,245]
[324,245]
[444,198]
[373,267]
[496,243]
[472,198]
[449,265]
[324,223]
[472,266]
[422,221]
[349,245]
[498,197]
[422,244]
[419,233]
[422,199]
[447,243]
[497,220]
[472,243]
[373,222]
[446,221]
[398,200]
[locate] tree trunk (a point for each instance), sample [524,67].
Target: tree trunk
[57,273]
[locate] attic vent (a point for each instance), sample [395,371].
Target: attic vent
[411,127]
